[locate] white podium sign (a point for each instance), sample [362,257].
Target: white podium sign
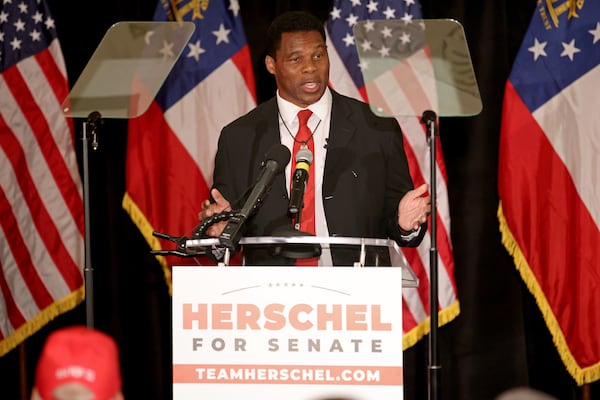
[287,333]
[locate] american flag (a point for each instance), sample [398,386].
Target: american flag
[549,176]
[41,205]
[346,77]
[171,148]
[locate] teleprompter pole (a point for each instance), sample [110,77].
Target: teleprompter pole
[429,118]
[90,131]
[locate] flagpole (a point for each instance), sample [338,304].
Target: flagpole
[429,118]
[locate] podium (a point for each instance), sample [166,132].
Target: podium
[364,249]
[297,333]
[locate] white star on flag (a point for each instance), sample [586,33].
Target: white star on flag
[222,34]
[569,49]
[538,49]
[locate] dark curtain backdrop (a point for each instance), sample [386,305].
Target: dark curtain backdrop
[499,340]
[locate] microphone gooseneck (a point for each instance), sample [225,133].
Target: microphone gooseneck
[275,161]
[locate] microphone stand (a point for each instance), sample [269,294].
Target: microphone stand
[90,131]
[298,217]
[429,118]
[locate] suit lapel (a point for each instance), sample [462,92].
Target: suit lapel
[267,135]
[341,131]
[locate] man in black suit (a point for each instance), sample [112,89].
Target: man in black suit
[362,183]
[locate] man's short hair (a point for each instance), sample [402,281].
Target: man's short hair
[291,21]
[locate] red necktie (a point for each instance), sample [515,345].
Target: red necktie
[304,137]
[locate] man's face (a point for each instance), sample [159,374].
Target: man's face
[300,67]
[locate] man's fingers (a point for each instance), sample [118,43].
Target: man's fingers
[216,229]
[218,197]
[419,191]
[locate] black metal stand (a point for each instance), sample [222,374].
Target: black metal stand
[429,118]
[90,131]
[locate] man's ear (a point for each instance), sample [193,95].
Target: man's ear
[270,64]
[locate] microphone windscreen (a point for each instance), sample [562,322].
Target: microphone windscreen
[280,154]
[304,155]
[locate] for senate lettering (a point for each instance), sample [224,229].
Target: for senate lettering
[292,345]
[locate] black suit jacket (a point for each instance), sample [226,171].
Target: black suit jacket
[366,173]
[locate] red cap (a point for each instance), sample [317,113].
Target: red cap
[79,354]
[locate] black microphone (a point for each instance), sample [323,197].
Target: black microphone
[304,158]
[276,159]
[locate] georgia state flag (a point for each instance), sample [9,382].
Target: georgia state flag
[171,148]
[549,175]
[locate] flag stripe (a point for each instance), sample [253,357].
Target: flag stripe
[408,318]
[55,77]
[241,59]
[573,105]
[15,318]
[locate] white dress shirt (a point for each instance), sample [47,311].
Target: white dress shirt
[318,123]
